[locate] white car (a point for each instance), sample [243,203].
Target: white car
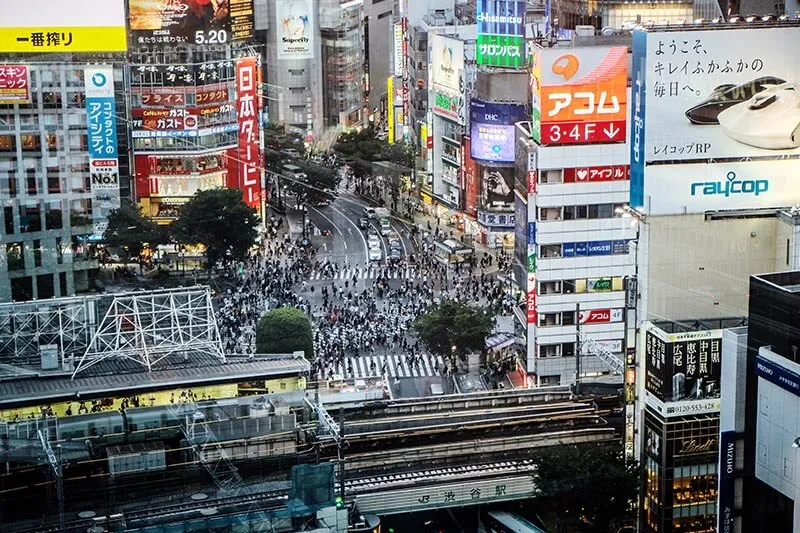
[373,241]
[375,254]
[369,212]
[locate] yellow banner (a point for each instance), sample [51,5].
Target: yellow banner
[70,39]
[390,109]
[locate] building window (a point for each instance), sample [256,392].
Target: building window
[568,318]
[8,216]
[15,256]
[550,287]
[550,350]
[551,176]
[550,251]
[549,319]
[549,381]
[551,213]
[37,253]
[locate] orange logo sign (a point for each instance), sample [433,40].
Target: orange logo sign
[566,65]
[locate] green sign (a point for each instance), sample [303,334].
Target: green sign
[600,285]
[532,263]
[500,51]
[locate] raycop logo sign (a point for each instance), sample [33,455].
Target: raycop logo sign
[729,187]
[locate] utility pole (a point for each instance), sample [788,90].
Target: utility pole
[578,346]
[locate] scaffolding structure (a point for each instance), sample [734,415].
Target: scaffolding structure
[146,327]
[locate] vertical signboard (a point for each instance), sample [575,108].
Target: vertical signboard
[727,490]
[247,113]
[583,95]
[682,371]
[398,49]
[101,123]
[536,96]
[501,33]
[639,97]
[15,84]
[295,29]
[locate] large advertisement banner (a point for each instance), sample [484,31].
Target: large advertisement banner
[247,111]
[295,29]
[209,22]
[101,123]
[164,119]
[447,63]
[582,95]
[497,187]
[492,131]
[42,26]
[696,188]
[684,366]
[501,33]
[721,93]
[15,84]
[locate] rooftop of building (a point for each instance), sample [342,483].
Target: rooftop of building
[785,281]
[115,375]
[699,324]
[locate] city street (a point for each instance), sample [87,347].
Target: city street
[362,311]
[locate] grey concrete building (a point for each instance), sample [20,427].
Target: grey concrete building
[379,19]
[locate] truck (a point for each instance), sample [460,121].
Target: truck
[382,215]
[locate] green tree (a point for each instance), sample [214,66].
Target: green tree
[221,221]
[131,232]
[587,486]
[285,330]
[452,323]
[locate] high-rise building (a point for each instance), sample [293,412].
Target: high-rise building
[343,83]
[379,21]
[63,145]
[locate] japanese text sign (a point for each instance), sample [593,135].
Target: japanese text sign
[582,95]
[711,94]
[247,106]
[41,26]
[15,84]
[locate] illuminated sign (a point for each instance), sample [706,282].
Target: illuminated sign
[582,95]
[42,26]
[295,29]
[247,105]
[15,84]
[207,22]
[501,33]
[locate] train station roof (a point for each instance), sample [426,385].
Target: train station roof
[21,387]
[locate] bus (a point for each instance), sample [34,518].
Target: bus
[505,522]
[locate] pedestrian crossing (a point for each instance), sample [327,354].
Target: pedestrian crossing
[392,365]
[373,272]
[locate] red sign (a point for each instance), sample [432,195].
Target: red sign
[247,112]
[532,181]
[600,316]
[175,119]
[471,181]
[594,174]
[533,314]
[211,96]
[583,132]
[162,98]
[15,84]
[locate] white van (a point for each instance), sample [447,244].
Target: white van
[294,172]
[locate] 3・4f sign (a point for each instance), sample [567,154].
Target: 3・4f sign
[582,95]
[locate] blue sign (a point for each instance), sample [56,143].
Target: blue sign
[637,137]
[594,248]
[778,375]
[492,134]
[600,248]
[501,17]
[531,232]
[101,123]
[727,468]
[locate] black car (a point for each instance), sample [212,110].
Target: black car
[363,223]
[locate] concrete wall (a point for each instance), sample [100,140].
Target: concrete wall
[381,47]
[700,269]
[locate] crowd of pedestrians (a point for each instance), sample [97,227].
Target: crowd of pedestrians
[354,316]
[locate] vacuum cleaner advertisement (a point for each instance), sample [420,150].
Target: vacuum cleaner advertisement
[719,94]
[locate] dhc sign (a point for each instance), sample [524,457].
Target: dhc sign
[729,187]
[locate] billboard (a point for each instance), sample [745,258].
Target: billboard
[600,316]
[101,125]
[492,131]
[696,188]
[497,186]
[207,22]
[594,248]
[247,106]
[295,29]
[535,82]
[399,57]
[582,95]
[715,94]
[683,367]
[15,84]
[41,26]
[597,174]
[172,119]
[447,64]
[501,33]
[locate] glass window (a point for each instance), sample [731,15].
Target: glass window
[605,211]
[581,211]
[593,211]
[568,318]
[569,212]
